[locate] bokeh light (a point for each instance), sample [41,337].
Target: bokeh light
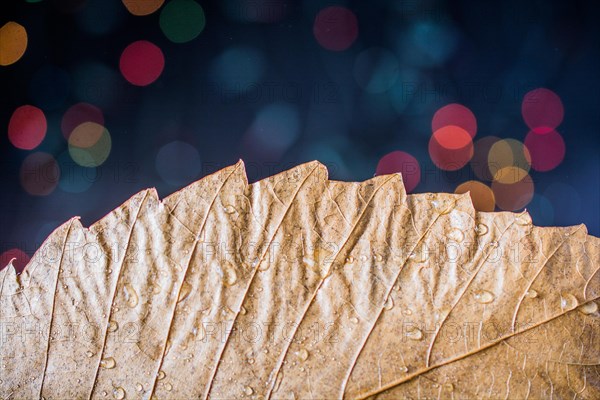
[274,129]
[90,144]
[508,153]
[481,195]
[335,28]
[239,68]
[79,113]
[142,63]
[178,163]
[479,162]
[376,69]
[450,148]
[39,174]
[513,189]
[13,43]
[182,20]
[427,43]
[27,127]
[49,87]
[457,115]
[547,150]
[142,7]
[20,259]
[406,164]
[541,210]
[542,110]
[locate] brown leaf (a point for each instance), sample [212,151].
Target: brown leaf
[300,287]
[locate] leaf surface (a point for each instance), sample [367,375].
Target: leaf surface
[301,287]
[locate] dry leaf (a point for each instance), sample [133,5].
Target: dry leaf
[301,287]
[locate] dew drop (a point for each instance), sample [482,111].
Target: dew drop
[415,334]
[302,354]
[403,369]
[108,363]
[89,354]
[156,288]
[184,292]
[484,297]
[531,294]
[161,375]
[349,260]
[567,301]
[229,209]
[456,235]
[168,387]
[112,326]
[251,361]
[378,257]
[248,391]
[482,229]
[448,387]
[119,393]
[389,304]
[363,258]
[243,310]
[104,393]
[131,296]
[523,219]
[354,320]
[420,256]
[139,387]
[493,244]
[589,308]
[231,277]
[407,311]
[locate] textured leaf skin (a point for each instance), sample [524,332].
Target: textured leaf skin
[301,287]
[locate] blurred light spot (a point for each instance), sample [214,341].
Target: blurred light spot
[182,20]
[100,17]
[96,83]
[90,144]
[510,174]
[238,68]
[547,150]
[541,210]
[508,153]
[479,162]
[376,70]
[73,177]
[542,110]
[512,196]
[21,259]
[274,129]
[39,174]
[141,63]
[13,43]
[406,164]
[49,87]
[79,113]
[450,148]
[335,28]
[178,163]
[265,11]
[481,195]
[427,43]
[457,115]
[566,201]
[27,127]
[86,135]
[142,7]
